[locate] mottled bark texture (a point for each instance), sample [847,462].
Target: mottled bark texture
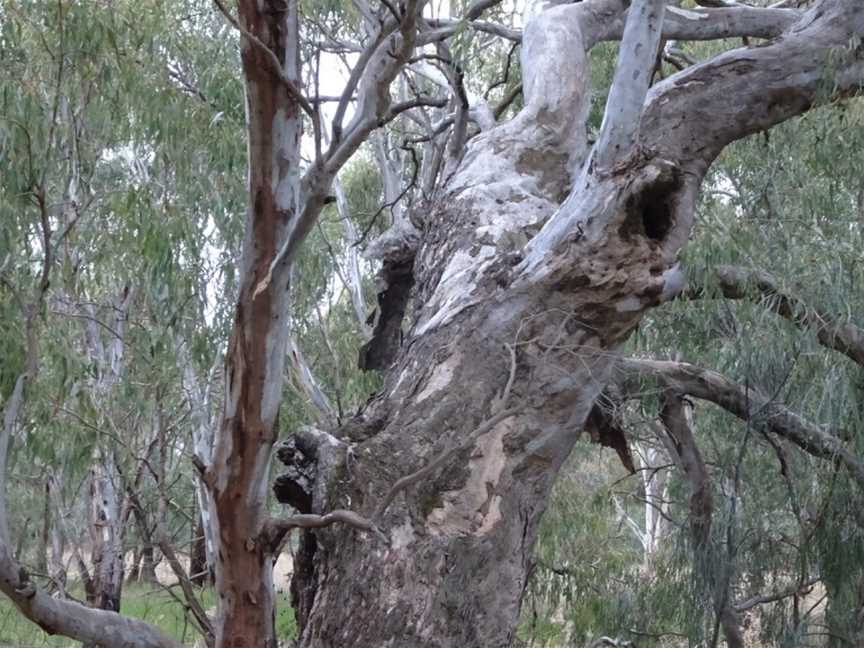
[236,477]
[537,261]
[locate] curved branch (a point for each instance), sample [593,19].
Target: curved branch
[276,528]
[691,116]
[445,28]
[797,589]
[763,288]
[748,404]
[713,24]
[675,416]
[71,619]
[678,24]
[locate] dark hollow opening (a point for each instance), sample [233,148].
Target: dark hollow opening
[651,213]
[656,215]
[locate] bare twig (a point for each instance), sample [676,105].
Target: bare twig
[798,588]
[276,528]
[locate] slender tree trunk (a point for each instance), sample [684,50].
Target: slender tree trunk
[237,477]
[134,573]
[105,538]
[23,534]
[42,559]
[146,549]
[202,439]
[57,567]
[148,563]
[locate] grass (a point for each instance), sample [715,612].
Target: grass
[154,605]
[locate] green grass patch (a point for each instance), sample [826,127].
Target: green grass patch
[140,601]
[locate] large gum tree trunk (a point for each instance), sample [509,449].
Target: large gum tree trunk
[537,261]
[507,354]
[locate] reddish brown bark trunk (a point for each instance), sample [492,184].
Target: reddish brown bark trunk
[254,365]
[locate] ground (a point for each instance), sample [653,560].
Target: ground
[156,605]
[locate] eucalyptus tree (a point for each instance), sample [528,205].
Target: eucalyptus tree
[85,362]
[528,256]
[752,527]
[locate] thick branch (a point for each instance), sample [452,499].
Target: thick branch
[678,24]
[71,619]
[682,445]
[675,416]
[747,404]
[712,24]
[632,78]
[693,115]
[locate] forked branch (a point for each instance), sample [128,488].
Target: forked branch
[746,403]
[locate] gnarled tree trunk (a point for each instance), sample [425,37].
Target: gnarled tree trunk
[535,260]
[538,259]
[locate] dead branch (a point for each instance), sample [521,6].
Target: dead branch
[761,287]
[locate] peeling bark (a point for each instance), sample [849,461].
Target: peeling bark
[236,474]
[538,258]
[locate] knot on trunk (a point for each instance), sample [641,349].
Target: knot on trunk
[313,459]
[396,245]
